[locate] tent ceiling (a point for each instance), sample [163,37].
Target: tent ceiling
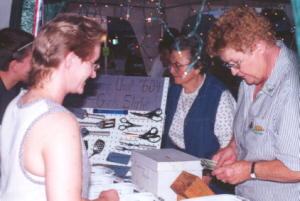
[176,3]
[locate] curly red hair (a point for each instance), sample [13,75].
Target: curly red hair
[239,29]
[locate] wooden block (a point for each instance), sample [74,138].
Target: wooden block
[179,197]
[190,186]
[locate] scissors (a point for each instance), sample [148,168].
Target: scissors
[154,115]
[150,135]
[127,124]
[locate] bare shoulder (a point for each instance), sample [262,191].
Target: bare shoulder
[57,126]
[50,141]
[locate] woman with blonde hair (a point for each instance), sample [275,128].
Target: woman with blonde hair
[42,154]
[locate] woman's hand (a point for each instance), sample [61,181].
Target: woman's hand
[110,195]
[234,173]
[227,155]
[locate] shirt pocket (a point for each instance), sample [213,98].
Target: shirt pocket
[257,126]
[259,140]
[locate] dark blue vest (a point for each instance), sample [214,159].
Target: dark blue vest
[199,137]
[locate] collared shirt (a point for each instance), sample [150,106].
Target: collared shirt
[268,128]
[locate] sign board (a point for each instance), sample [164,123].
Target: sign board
[120,93]
[119,100]
[105,51]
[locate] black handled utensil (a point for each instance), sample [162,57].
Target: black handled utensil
[98,147]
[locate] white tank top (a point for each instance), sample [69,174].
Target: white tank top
[16,183]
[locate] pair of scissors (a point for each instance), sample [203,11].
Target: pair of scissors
[150,135]
[126,124]
[153,115]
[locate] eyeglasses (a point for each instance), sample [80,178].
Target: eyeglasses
[237,65]
[177,66]
[95,66]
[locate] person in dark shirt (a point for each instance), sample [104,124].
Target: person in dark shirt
[15,63]
[134,65]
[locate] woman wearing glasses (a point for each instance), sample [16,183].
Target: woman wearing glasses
[200,108]
[263,156]
[42,154]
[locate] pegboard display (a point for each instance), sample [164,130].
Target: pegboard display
[119,126]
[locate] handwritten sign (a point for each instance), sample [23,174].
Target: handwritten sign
[120,93]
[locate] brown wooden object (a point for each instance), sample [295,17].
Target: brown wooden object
[190,186]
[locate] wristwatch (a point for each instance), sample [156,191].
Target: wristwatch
[253,175]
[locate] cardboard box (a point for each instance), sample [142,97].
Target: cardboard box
[156,170]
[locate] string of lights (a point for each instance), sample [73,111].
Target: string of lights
[196,57]
[145,35]
[161,8]
[128,9]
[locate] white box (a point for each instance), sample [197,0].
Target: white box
[156,170]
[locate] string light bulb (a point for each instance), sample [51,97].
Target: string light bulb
[128,10]
[149,19]
[184,75]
